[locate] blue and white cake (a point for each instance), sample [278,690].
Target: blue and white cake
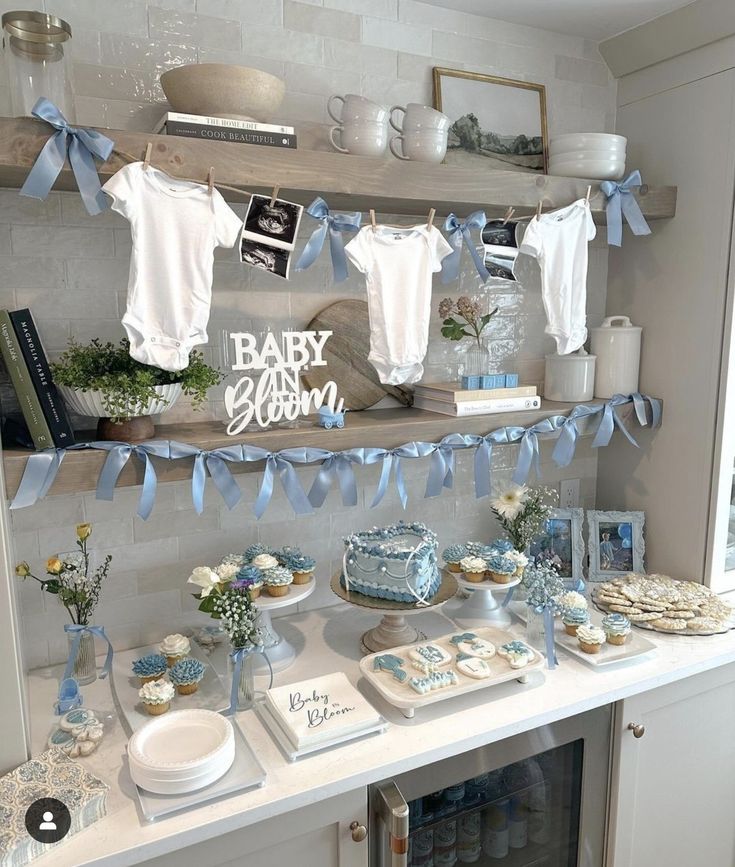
[397,563]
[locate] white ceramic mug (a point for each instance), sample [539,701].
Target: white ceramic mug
[425,146]
[417,116]
[356,109]
[367,139]
[570,378]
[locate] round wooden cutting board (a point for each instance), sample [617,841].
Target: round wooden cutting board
[346,355]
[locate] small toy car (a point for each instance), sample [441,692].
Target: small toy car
[329,419]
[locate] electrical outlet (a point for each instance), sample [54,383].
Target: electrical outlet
[569,494]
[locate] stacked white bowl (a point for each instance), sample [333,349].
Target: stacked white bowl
[181,751]
[596,155]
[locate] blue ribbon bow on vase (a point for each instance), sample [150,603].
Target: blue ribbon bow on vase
[334,225]
[81,146]
[622,203]
[459,233]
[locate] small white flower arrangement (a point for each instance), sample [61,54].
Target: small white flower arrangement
[521,511]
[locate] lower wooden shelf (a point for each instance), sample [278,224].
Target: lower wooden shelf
[384,428]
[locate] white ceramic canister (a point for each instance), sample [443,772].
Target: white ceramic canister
[617,345]
[570,378]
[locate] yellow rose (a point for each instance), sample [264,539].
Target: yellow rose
[54,566]
[84,531]
[23,569]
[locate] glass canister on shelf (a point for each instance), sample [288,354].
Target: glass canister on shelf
[37,61]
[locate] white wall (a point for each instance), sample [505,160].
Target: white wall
[72,269]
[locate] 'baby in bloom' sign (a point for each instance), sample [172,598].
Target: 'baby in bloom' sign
[274,393]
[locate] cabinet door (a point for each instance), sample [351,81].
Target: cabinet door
[315,836]
[673,786]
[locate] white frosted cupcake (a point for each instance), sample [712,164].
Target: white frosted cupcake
[571,599]
[174,647]
[590,638]
[520,559]
[265,562]
[473,568]
[156,695]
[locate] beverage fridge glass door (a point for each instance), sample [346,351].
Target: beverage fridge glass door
[534,800]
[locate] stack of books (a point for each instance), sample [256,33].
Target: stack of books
[42,406]
[449,398]
[226,129]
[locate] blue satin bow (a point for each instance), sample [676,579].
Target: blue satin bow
[81,146]
[237,656]
[336,465]
[459,232]
[119,455]
[334,224]
[621,202]
[78,630]
[529,452]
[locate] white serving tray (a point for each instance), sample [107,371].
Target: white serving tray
[292,753]
[610,654]
[402,696]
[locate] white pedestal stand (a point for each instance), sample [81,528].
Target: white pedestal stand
[393,629]
[482,608]
[280,653]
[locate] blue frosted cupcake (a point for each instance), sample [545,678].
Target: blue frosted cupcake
[502,546]
[254,550]
[501,569]
[573,618]
[150,667]
[277,581]
[298,564]
[453,555]
[186,674]
[617,628]
[249,578]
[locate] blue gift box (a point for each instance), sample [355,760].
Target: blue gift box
[471,382]
[493,380]
[511,380]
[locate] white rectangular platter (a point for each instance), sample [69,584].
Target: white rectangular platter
[402,696]
[635,645]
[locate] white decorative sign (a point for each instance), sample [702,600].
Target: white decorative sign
[276,394]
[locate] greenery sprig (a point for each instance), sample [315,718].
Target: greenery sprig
[472,322]
[522,511]
[126,384]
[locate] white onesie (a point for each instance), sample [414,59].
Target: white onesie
[559,241]
[175,227]
[398,264]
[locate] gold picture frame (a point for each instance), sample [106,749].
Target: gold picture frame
[517,149]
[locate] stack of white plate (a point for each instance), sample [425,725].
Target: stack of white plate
[596,155]
[181,751]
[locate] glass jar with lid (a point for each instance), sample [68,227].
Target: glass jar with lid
[37,60]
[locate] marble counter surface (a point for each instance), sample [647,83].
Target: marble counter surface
[328,640]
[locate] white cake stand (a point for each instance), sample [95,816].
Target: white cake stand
[393,629]
[280,653]
[481,608]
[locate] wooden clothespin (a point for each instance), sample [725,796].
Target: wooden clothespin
[373,221]
[508,214]
[210,180]
[539,207]
[147,158]
[432,214]
[587,197]
[274,194]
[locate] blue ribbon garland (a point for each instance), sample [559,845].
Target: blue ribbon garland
[459,233]
[622,203]
[237,656]
[332,225]
[42,467]
[78,630]
[81,146]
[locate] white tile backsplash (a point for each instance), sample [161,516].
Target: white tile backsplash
[73,269]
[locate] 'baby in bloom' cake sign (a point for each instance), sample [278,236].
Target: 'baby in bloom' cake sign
[272,390]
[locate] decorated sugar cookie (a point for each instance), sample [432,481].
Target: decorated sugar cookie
[430,653]
[478,647]
[517,653]
[392,664]
[474,667]
[437,680]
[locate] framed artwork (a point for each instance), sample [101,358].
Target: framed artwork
[616,544]
[498,123]
[560,543]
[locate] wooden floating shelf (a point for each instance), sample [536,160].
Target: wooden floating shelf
[347,182]
[386,428]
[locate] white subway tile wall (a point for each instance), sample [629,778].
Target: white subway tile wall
[72,269]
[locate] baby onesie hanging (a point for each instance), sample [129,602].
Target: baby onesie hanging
[398,264]
[175,227]
[559,241]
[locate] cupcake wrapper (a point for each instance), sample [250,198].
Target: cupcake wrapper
[454,567]
[571,628]
[277,589]
[616,639]
[475,577]
[590,648]
[187,688]
[301,577]
[254,592]
[158,709]
[172,660]
[150,677]
[500,579]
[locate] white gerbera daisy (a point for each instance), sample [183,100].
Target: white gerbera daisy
[510,502]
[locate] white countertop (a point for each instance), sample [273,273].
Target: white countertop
[328,640]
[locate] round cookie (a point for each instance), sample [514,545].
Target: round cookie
[669,624]
[474,667]
[642,617]
[478,647]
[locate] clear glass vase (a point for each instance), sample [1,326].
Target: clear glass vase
[246,681]
[535,629]
[85,666]
[476,360]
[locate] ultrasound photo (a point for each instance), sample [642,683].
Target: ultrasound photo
[501,249]
[273,224]
[271,259]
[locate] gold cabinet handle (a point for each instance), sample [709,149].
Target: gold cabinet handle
[359,832]
[638,729]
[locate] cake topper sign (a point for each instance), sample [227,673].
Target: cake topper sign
[275,393]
